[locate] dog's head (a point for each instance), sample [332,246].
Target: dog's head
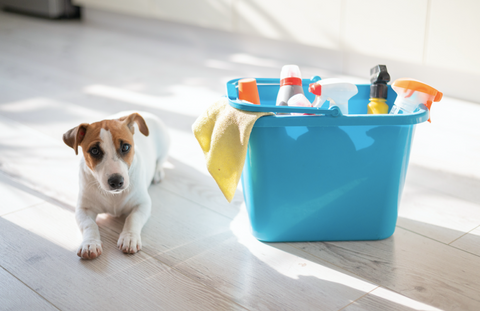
[108,149]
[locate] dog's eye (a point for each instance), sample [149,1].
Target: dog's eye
[95,151]
[125,147]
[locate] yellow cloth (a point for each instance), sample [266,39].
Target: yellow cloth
[223,133]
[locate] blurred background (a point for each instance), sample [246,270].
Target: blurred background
[173,58]
[431,40]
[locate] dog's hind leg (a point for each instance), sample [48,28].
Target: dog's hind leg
[159,171]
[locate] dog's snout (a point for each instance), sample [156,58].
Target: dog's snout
[115,181]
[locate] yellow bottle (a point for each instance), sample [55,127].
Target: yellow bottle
[378,90]
[377,106]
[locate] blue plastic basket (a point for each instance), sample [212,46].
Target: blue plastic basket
[328,177]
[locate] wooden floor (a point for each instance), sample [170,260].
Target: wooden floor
[198,252]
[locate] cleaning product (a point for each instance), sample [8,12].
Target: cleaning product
[299,100]
[290,84]
[411,93]
[248,91]
[378,90]
[336,91]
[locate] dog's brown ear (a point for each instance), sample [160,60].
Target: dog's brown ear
[74,137]
[135,117]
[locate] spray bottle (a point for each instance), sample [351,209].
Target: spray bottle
[337,91]
[378,90]
[412,93]
[290,84]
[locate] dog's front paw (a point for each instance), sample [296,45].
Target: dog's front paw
[129,242]
[90,249]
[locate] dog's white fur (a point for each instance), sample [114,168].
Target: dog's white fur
[133,198]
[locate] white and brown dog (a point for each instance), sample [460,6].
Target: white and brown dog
[122,156]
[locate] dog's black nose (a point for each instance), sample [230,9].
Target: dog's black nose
[115,181]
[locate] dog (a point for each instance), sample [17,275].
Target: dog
[122,156]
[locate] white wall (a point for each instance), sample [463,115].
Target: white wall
[437,41]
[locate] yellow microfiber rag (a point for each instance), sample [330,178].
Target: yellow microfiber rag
[223,133]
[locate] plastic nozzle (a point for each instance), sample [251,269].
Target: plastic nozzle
[337,91]
[248,91]
[379,77]
[412,92]
[379,74]
[315,88]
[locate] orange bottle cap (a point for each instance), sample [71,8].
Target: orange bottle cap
[248,91]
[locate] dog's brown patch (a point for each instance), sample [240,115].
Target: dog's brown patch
[74,137]
[121,134]
[92,139]
[88,136]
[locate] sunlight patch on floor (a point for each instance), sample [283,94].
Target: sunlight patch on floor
[57,225]
[402,300]
[288,264]
[181,99]
[45,109]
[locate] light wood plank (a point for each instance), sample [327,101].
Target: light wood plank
[193,183]
[13,198]
[411,265]
[456,185]
[32,157]
[438,216]
[440,205]
[15,296]
[469,242]
[41,243]
[382,299]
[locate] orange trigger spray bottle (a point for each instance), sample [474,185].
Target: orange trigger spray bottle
[411,93]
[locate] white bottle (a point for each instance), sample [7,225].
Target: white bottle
[290,84]
[337,91]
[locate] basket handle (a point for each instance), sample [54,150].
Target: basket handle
[333,111]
